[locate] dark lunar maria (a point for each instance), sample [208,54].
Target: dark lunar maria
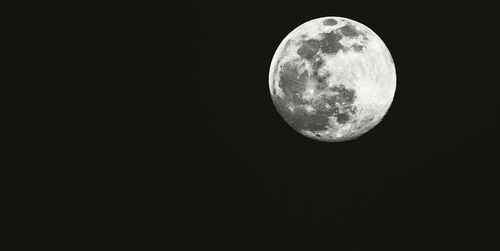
[293,84]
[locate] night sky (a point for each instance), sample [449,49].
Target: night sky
[422,179]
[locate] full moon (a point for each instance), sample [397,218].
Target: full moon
[332,79]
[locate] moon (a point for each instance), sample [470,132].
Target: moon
[332,79]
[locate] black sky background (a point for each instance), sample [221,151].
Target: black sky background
[422,179]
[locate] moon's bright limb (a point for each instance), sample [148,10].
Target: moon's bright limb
[332,79]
